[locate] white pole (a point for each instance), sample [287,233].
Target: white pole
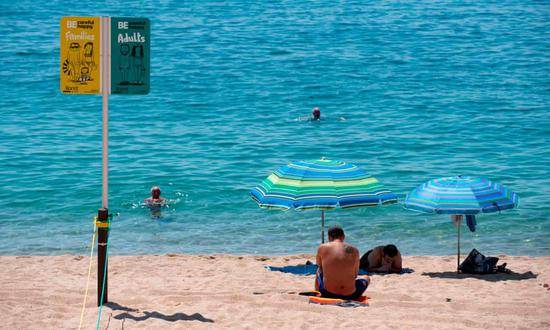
[106,81]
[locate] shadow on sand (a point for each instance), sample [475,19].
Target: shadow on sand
[147,315]
[512,276]
[116,307]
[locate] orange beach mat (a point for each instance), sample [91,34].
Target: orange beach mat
[361,301]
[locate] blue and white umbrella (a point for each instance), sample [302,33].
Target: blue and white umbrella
[461,195]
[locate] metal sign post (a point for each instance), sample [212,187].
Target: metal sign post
[106,88]
[85,58]
[103,213]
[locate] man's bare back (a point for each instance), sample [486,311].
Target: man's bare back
[339,265]
[338,268]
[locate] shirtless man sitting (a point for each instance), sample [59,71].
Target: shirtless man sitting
[338,268]
[382,259]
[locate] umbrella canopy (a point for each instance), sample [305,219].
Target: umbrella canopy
[320,184]
[461,195]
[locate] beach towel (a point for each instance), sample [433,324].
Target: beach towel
[317,299]
[403,271]
[305,269]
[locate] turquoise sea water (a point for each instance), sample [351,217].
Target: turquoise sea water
[409,90]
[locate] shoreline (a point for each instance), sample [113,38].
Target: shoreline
[236,291]
[292,255]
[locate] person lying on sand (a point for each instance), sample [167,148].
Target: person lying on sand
[338,268]
[382,259]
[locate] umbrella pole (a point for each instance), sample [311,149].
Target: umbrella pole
[458,249]
[322,226]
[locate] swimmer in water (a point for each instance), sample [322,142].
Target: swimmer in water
[316,114]
[155,202]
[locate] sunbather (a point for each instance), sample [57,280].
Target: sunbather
[382,259]
[338,268]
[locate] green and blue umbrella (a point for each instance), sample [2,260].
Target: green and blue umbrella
[461,195]
[320,184]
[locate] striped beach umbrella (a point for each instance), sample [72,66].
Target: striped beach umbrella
[322,185]
[461,195]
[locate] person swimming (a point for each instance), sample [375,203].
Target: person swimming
[316,114]
[155,202]
[316,117]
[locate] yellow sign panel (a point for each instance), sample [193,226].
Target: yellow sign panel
[79,52]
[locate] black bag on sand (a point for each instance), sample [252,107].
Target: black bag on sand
[477,263]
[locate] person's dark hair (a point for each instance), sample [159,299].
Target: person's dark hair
[316,113]
[335,232]
[390,250]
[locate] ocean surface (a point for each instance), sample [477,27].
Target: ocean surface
[409,90]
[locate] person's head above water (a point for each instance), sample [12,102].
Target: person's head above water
[155,192]
[316,114]
[336,232]
[155,201]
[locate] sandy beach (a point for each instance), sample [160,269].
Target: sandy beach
[227,291]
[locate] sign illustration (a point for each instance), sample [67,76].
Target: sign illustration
[79,50]
[130,55]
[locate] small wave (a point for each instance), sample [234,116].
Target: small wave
[279,52]
[30,53]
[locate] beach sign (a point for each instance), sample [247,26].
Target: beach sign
[130,55]
[79,51]
[114,51]
[104,55]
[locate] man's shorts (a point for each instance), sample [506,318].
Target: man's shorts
[361,285]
